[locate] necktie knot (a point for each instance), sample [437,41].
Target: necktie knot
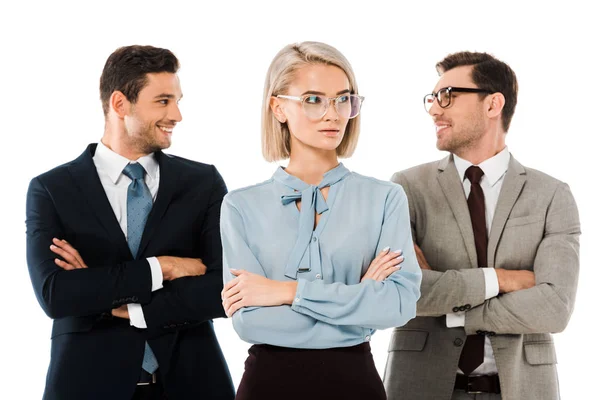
[474,174]
[134,171]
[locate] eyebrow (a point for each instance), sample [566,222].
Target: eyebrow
[166,96]
[323,94]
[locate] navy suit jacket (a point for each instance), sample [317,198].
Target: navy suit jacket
[97,356]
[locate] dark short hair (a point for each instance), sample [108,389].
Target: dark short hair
[126,69]
[488,73]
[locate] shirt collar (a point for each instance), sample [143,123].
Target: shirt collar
[493,168]
[114,163]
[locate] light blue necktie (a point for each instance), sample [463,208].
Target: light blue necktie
[139,204]
[312,201]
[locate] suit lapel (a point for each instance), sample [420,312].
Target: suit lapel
[455,195]
[166,188]
[85,176]
[511,189]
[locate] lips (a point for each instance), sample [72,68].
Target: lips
[330,132]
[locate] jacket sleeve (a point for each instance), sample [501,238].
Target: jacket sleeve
[442,291]
[79,292]
[187,301]
[546,307]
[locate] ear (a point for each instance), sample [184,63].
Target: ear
[495,105]
[275,105]
[119,104]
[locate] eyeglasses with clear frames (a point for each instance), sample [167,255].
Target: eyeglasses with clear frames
[444,96]
[315,106]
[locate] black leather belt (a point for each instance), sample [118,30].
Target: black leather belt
[147,378]
[478,384]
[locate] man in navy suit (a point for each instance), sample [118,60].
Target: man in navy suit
[124,250]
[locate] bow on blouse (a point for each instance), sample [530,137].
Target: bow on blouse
[312,201]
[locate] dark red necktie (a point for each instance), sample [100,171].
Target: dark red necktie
[472,353]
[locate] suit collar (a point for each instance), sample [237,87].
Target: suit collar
[85,177]
[514,181]
[169,178]
[453,190]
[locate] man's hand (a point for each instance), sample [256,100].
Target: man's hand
[385,264]
[70,256]
[421,258]
[178,267]
[121,312]
[251,290]
[513,280]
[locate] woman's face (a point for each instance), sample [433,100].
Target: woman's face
[314,131]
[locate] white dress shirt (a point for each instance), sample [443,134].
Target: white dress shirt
[494,169]
[110,167]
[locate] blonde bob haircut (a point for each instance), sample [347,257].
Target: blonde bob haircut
[281,73]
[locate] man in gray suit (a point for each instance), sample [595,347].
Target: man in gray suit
[499,247]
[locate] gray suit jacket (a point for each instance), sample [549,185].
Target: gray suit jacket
[535,227]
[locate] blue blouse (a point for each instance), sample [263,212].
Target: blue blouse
[264,232]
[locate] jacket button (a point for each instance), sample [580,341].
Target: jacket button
[134,298]
[458,342]
[491,333]
[455,309]
[467,306]
[462,308]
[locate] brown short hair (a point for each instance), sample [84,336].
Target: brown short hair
[488,73]
[281,73]
[126,69]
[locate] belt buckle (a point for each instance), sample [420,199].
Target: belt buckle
[148,383]
[469,389]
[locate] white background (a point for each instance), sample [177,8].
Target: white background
[52,54]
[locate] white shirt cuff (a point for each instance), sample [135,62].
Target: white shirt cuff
[157,275]
[455,320]
[136,316]
[492,287]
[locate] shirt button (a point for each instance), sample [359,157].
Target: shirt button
[314,239]
[297,299]
[368,338]
[318,276]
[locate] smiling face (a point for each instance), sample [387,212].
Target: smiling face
[327,132]
[460,127]
[149,121]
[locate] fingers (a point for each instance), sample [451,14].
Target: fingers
[387,260]
[74,258]
[68,257]
[64,265]
[232,304]
[234,307]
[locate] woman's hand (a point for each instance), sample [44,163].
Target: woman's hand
[385,264]
[252,290]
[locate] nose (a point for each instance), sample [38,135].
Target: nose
[435,109]
[174,112]
[331,113]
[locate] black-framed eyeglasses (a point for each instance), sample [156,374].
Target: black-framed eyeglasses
[444,96]
[315,106]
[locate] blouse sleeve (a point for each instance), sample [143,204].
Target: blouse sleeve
[371,304]
[280,325]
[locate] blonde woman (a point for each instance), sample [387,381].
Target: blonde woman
[312,256]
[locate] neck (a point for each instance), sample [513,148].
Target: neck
[116,139]
[487,147]
[310,166]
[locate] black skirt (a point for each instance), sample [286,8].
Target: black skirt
[280,373]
